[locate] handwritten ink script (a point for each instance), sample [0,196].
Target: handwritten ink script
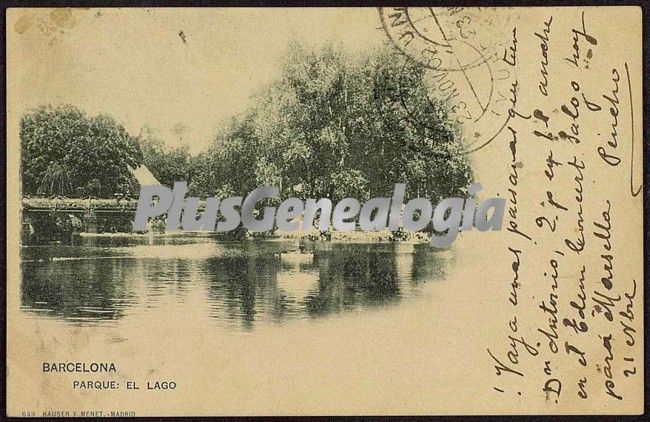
[573,283]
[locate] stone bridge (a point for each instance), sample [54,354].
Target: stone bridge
[85,211]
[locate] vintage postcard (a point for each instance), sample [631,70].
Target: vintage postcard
[324,211]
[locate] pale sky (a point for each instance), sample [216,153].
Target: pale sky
[134,65]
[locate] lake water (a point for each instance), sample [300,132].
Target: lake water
[238,285]
[261,325]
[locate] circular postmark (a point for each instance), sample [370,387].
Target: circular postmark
[466,66]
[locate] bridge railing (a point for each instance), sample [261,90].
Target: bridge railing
[88,203]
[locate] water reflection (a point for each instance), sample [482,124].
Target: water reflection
[79,289]
[244,283]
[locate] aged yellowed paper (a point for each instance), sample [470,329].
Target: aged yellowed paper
[534,307]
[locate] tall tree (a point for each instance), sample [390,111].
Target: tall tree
[339,125]
[64,152]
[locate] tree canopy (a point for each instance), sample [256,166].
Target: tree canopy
[336,125]
[333,124]
[65,152]
[167,164]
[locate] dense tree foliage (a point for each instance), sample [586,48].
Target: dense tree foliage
[168,165]
[64,152]
[333,126]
